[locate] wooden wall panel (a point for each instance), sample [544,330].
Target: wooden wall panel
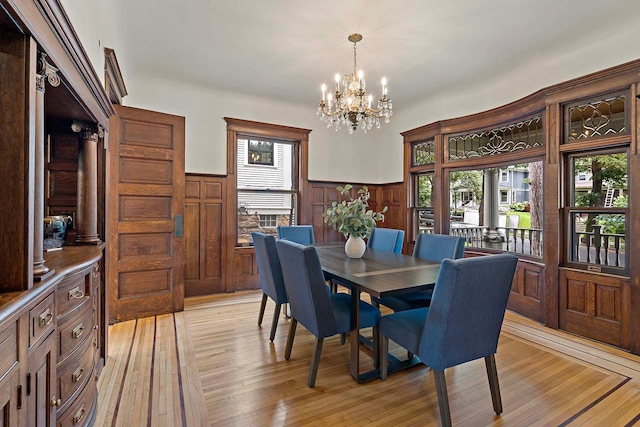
[203,230]
[61,177]
[592,305]
[322,194]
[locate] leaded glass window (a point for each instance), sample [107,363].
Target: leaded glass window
[598,118]
[506,139]
[423,153]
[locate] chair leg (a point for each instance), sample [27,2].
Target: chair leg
[443,399]
[274,322]
[263,304]
[492,373]
[292,334]
[376,347]
[315,361]
[383,343]
[343,338]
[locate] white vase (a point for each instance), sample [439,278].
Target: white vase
[355,247]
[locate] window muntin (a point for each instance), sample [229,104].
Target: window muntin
[266,197]
[506,139]
[597,211]
[268,221]
[602,117]
[490,226]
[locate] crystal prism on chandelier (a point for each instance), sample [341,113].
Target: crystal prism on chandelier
[352,107]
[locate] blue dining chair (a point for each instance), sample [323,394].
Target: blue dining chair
[321,313]
[462,323]
[302,234]
[432,247]
[386,239]
[270,276]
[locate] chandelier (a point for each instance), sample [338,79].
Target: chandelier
[352,107]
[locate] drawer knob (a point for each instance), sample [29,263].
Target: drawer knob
[55,402]
[46,318]
[76,293]
[77,331]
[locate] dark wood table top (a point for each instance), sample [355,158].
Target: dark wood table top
[378,273]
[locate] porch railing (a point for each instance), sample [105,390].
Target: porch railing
[596,247]
[527,241]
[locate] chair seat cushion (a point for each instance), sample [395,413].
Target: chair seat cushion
[407,301]
[404,327]
[369,315]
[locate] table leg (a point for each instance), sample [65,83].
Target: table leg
[355,334]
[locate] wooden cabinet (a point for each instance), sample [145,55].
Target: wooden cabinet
[49,345]
[41,397]
[11,395]
[50,303]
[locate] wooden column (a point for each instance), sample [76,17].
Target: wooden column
[87,213]
[46,72]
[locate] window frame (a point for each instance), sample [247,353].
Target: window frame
[569,210]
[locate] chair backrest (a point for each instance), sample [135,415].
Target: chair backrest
[386,239]
[467,310]
[269,266]
[436,247]
[302,234]
[306,288]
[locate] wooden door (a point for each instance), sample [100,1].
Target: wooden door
[146,205]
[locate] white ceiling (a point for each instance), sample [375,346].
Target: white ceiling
[287,48]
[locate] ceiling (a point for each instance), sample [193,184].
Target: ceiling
[286,49]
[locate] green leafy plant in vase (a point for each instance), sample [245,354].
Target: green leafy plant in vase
[353,219]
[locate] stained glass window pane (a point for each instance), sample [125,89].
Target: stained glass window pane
[506,139]
[423,153]
[598,118]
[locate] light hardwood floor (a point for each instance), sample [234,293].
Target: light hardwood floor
[211,365]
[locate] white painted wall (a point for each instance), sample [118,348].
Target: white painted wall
[337,156]
[332,155]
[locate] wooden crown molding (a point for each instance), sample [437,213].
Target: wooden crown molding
[113,81]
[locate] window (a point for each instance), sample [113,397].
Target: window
[268,221]
[265,195]
[597,212]
[260,152]
[487,226]
[582,176]
[504,176]
[423,216]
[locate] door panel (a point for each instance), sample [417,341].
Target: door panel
[146,258]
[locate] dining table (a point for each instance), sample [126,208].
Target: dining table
[380,274]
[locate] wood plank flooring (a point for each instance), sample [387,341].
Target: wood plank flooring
[211,365]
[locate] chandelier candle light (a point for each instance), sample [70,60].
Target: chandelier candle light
[352,106]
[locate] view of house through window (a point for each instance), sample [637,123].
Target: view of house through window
[498,208]
[597,212]
[266,195]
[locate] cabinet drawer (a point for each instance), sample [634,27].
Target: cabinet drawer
[81,411]
[8,348]
[73,291]
[41,320]
[75,331]
[75,372]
